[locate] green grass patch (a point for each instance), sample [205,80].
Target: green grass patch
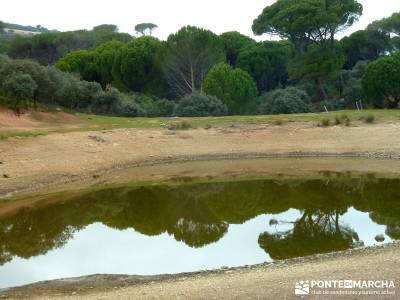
[98,123]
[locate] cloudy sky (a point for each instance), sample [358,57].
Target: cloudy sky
[170,15]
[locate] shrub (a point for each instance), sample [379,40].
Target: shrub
[19,87]
[381,81]
[154,107]
[325,122]
[284,101]
[183,125]
[370,119]
[235,87]
[200,105]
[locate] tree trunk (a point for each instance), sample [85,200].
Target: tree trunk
[323,94]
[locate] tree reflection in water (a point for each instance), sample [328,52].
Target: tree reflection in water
[199,214]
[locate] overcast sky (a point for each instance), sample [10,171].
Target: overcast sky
[170,15]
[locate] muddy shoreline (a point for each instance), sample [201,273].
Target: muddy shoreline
[87,178]
[33,164]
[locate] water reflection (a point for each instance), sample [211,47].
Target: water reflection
[199,214]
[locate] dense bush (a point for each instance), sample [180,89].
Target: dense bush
[234,87]
[47,48]
[154,107]
[200,105]
[19,86]
[284,101]
[381,82]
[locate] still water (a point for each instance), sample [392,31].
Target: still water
[172,228]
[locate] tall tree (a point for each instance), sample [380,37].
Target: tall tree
[311,25]
[306,22]
[390,24]
[365,45]
[145,28]
[267,63]
[191,53]
[137,66]
[234,42]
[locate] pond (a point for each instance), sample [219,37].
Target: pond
[192,225]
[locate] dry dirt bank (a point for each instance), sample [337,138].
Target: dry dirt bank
[266,281]
[34,163]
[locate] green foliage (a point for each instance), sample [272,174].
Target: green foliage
[19,87]
[234,87]
[267,63]
[106,28]
[390,24]
[92,65]
[234,42]
[136,66]
[305,22]
[365,45]
[317,65]
[2,26]
[352,90]
[381,82]
[191,53]
[284,101]
[145,28]
[154,107]
[47,48]
[200,105]
[395,41]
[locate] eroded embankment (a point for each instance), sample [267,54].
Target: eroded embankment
[37,163]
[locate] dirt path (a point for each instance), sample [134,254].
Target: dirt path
[33,163]
[268,281]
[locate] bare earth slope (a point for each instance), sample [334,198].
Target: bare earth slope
[30,163]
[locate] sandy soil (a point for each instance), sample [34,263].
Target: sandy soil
[32,119]
[266,281]
[87,158]
[34,163]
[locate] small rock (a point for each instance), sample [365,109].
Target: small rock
[73,293]
[97,138]
[380,238]
[273,222]
[96,176]
[6,176]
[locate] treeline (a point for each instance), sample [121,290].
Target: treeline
[196,72]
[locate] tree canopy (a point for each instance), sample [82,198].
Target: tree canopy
[145,28]
[381,82]
[305,22]
[234,87]
[191,53]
